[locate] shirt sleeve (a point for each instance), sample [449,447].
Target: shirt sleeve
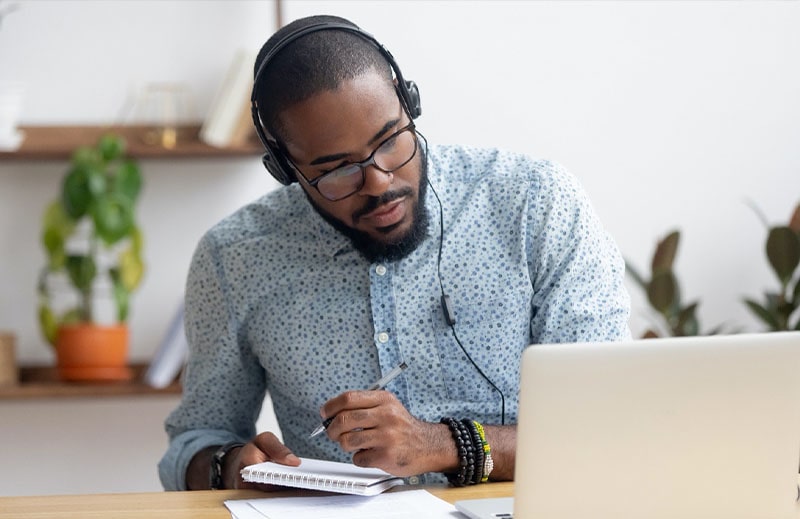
[223,383]
[576,267]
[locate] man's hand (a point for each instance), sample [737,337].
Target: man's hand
[264,447]
[382,433]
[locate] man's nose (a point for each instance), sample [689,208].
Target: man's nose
[376,182]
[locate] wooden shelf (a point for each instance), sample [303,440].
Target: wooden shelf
[37,382]
[58,143]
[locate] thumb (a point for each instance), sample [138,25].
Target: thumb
[274,450]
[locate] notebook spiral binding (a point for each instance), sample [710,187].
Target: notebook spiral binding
[307,480]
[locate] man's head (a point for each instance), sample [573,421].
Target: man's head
[334,119]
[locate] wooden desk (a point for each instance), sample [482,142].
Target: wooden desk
[206,504]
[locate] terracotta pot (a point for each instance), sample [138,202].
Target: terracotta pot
[88,352]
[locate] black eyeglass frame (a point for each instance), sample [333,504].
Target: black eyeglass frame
[362,165]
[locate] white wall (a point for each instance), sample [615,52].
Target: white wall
[670,113]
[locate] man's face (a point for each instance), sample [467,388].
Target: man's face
[385,218]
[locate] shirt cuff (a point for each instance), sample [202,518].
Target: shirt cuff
[182,448]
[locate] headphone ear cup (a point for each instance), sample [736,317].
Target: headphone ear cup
[276,164]
[412,98]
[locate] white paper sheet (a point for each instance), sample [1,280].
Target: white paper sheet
[409,504]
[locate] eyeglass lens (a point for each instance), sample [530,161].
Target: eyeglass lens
[392,154]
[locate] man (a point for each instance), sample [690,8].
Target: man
[380,250]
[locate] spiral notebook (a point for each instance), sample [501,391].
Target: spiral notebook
[331,476]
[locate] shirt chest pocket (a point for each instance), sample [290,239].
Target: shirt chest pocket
[480,353]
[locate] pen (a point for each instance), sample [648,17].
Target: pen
[380,384]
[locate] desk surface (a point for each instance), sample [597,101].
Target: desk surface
[207,504]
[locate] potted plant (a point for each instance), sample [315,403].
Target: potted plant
[779,310]
[94,262]
[675,319]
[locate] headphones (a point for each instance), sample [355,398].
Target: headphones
[275,159]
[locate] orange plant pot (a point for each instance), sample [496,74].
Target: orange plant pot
[88,352]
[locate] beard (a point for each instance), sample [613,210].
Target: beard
[374,250]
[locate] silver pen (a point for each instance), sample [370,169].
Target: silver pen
[380,384]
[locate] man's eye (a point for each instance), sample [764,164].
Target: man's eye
[389,144]
[335,168]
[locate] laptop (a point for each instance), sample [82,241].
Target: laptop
[678,428]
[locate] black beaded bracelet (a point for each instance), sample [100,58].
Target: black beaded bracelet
[467,453]
[478,445]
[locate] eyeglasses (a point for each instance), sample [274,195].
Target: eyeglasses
[391,154]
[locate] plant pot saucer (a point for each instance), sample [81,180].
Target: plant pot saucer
[95,374]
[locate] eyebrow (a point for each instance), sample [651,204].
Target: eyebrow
[338,156]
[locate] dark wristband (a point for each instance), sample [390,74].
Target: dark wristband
[217,463]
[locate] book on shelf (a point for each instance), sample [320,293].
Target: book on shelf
[330,476]
[171,355]
[228,121]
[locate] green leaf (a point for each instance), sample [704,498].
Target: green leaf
[691,327]
[137,240]
[128,180]
[774,301]
[97,181]
[48,323]
[131,269]
[113,217]
[121,298]
[111,147]
[86,157]
[57,227]
[661,291]
[687,320]
[664,256]
[763,314]
[82,271]
[783,251]
[76,195]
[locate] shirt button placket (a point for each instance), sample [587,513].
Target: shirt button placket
[383,337]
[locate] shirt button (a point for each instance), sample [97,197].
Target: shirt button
[383,337]
[413,480]
[380,270]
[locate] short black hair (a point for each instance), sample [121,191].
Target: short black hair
[313,63]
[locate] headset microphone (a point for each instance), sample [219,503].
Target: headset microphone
[449,315]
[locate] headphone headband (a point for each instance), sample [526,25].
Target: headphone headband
[274,159]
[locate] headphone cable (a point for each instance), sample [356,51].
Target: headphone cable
[447,309]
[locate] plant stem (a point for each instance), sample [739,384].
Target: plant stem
[86,294]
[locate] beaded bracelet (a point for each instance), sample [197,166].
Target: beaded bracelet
[488,462]
[466,452]
[478,446]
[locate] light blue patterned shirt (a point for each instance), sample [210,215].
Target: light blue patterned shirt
[277,300]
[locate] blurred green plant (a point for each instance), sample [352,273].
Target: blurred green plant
[783,254]
[90,231]
[674,318]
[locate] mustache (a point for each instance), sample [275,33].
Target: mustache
[375,202]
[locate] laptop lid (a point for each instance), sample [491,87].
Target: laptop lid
[696,427]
